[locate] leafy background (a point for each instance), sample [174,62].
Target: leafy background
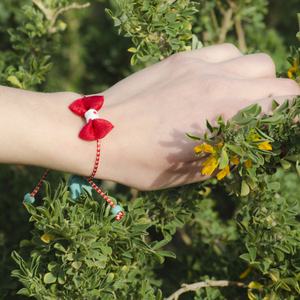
[91,57]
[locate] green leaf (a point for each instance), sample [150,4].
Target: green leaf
[26,243]
[285,164]
[167,253]
[192,137]
[255,285]
[76,264]
[224,159]
[283,106]
[272,120]
[263,135]
[245,190]
[133,60]
[30,208]
[252,251]
[78,280]
[171,16]
[245,120]
[209,127]
[159,295]
[235,149]
[132,49]
[273,185]
[171,32]
[24,292]
[106,250]
[15,81]
[50,278]
[251,109]
[245,257]
[160,244]
[61,277]
[282,248]
[53,267]
[59,247]
[279,255]
[137,203]
[100,264]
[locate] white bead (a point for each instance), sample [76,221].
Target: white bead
[91,114]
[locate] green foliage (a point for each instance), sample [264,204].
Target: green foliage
[77,250]
[157,28]
[32,43]
[80,252]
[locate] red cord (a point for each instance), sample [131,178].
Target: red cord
[39,184]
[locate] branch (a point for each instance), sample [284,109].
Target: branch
[51,16]
[47,12]
[238,27]
[60,11]
[241,36]
[215,21]
[197,286]
[226,23]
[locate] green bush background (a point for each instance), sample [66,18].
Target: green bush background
[92,57]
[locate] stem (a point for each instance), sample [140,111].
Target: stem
[60,11]
[238,26]
[215,21]
[47,12]
[51,16]
[226,23]
[197,286]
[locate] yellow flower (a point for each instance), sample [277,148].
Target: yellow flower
[210,165]
[265,146]
[234,160]
[220,145]
[255,137]
[248,163]
[293,69]
[206,148]
[223,173]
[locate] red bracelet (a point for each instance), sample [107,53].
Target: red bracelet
[95,129]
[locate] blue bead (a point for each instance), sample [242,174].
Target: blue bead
[116,209]
[76,183]
[29,199]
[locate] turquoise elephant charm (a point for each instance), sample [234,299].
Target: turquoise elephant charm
[76,183]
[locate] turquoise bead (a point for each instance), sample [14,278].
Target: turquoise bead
[76,183]
[29,199]
[116,209]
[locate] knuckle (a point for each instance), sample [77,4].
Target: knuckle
[233,49]
[177,58]
[293,87]
[267,61]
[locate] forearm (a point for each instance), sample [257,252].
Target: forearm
[39,129]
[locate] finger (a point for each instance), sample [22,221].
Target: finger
[258,65]
[253,89]
[216,53]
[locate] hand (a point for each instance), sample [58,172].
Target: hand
[153,110]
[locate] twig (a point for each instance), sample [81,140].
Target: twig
[238,27]
[197,286]
[60,11]
[184,236]
[241,36]
[47,12]
[51,16]
[226,23]
[215,21]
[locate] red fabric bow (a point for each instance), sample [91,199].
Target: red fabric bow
[94,129]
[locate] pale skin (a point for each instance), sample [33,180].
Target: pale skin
[152,111]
